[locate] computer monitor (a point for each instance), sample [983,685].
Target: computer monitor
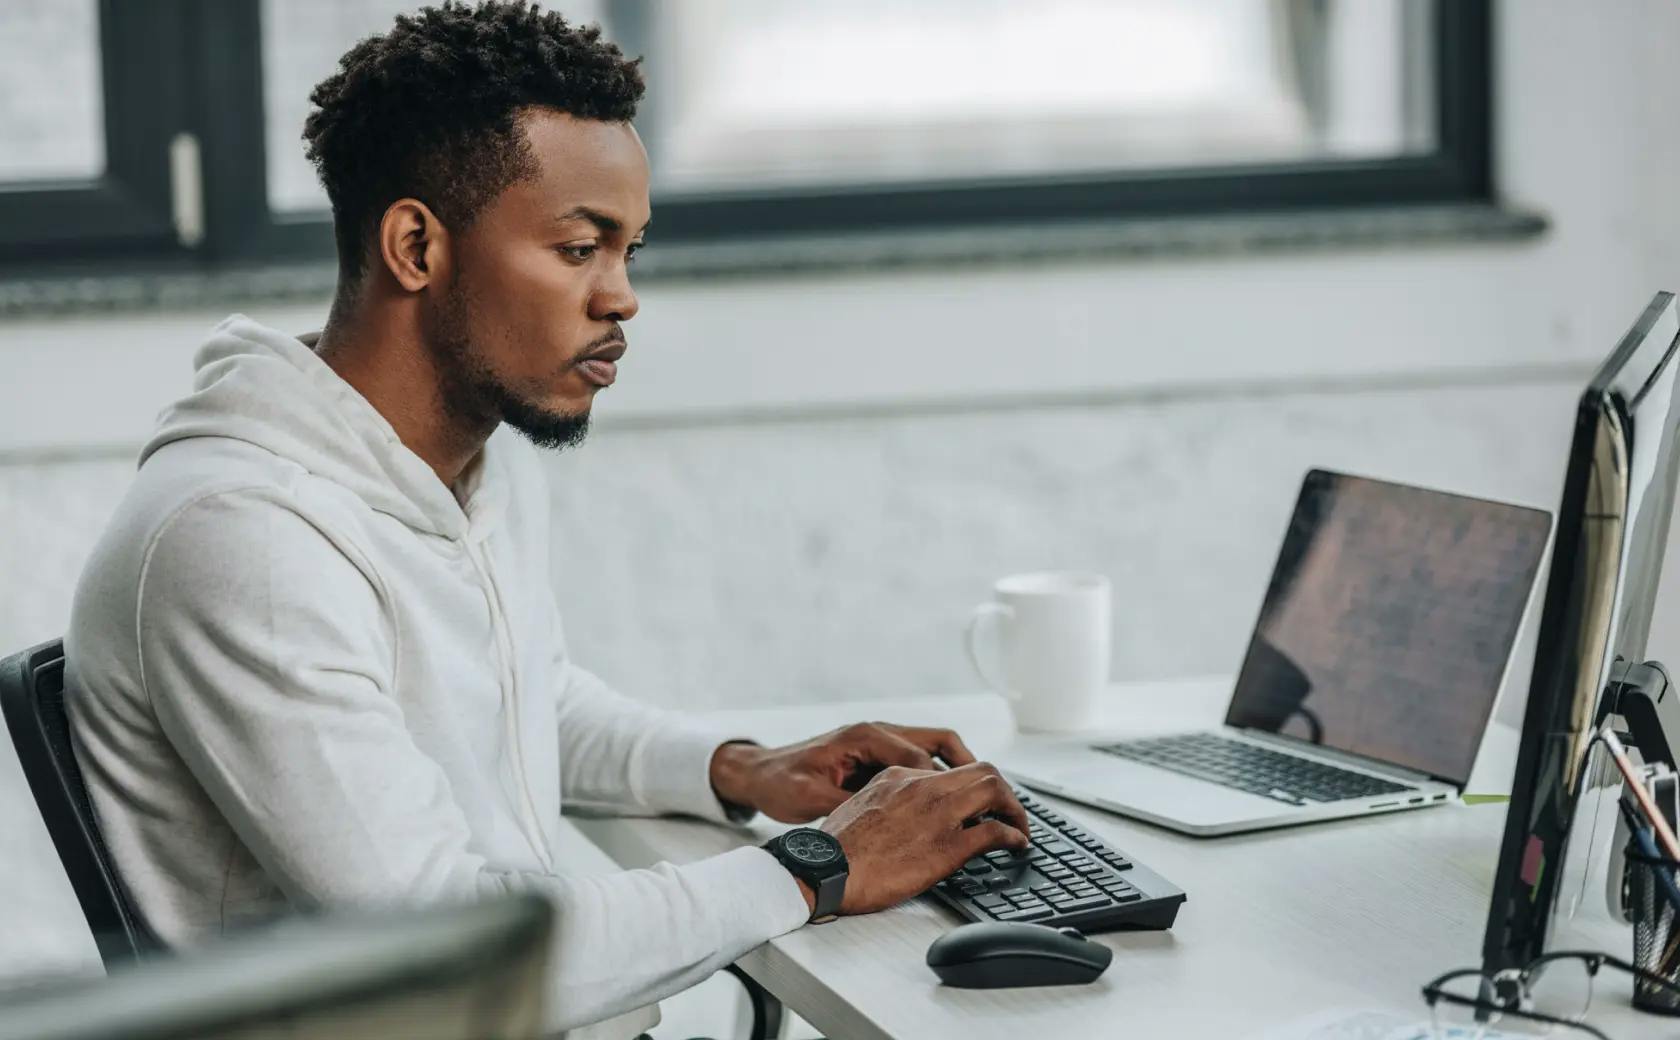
[449,973]
[1601,590]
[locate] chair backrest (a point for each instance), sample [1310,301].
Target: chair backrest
[32,698]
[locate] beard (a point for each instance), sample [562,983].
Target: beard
[473,394]
[545,429]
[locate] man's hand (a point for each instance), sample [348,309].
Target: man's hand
[908,829]
[801,782]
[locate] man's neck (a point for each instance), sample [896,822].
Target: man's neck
[388,365]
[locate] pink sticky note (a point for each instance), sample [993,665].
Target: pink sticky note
[1534,859]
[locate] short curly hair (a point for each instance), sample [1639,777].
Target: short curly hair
[429,110]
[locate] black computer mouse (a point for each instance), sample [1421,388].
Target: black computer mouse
[995,954]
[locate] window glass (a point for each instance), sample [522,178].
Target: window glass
[790,92]
[52,110]
[302,41]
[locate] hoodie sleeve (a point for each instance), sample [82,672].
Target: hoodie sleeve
[267,656]
[618,754]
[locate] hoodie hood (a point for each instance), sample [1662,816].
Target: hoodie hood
[258,385]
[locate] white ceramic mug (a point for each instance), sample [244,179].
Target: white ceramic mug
[1052,640]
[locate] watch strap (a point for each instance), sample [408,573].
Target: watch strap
[830,891]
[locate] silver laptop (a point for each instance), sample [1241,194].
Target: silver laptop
[1383,640]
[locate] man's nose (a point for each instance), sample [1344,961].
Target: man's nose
[614,300]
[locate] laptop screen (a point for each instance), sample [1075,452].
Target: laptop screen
[1389,620]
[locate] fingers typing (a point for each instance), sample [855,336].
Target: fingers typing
[941,742]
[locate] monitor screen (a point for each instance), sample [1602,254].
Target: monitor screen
[1389,622]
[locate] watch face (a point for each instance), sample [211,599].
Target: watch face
[809,847]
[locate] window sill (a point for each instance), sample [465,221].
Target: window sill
[134,288]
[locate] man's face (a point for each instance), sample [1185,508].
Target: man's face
[529,331]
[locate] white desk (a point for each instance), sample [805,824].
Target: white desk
[1356,913]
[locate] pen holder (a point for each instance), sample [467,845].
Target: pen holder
[1656,931]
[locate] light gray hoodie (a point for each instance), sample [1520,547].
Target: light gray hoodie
[303,672]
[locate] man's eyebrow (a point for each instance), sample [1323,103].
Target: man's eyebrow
[596,217]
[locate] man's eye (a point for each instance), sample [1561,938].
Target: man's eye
[630,253]
[579,253]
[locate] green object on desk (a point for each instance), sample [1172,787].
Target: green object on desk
[1486,799]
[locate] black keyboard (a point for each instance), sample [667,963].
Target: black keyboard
[1068,878]
[1257,770]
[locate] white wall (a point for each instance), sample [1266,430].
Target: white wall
[1585,96]
[717,543]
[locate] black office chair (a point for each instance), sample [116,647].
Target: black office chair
[32,698]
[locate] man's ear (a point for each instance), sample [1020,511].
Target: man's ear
[413,244]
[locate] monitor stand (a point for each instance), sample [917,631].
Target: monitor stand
[1649,705]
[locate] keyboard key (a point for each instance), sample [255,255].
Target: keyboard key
[1039,859]
[1025,915]
[1001,857]
[977,866]
[1057,873]
[970,887]
[1092,869]
[1059,848]
[997,880]
[987,902]
[1087,903]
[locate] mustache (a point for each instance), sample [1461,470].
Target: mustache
[615,338]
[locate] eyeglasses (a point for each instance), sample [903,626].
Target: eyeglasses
[1554,990]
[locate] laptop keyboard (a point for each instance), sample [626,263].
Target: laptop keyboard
[1257,770]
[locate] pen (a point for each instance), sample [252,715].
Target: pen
[1659,825]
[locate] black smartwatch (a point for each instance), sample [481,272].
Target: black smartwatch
[814,857]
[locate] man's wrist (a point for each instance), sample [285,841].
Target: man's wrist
[732,768]
[809,894]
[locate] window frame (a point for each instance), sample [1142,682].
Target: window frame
[1459,170]
[128,210]
[217,45]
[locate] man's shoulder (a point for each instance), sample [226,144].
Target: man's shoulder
[185,511]
[225,497]
[177,483]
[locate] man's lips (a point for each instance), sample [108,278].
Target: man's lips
[600,366]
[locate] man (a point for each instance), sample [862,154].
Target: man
[315,660]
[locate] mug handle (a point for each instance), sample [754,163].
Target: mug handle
[986,615]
